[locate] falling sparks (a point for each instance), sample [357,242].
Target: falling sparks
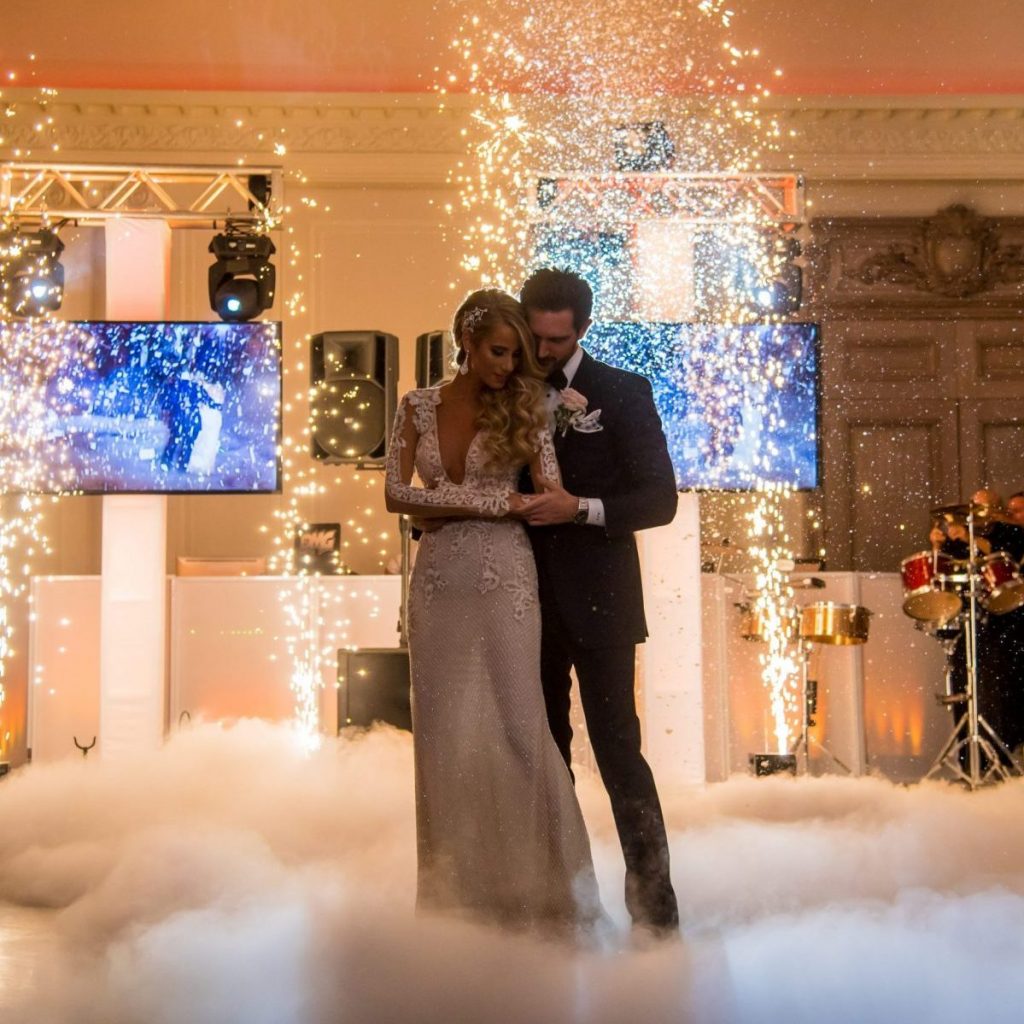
[30,359]
[28,129]
[773,603]
[549,86]
[629,142]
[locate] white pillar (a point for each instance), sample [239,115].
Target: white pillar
[133,593]
[673,716]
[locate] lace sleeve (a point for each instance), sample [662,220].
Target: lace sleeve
[545,463]
[445,499]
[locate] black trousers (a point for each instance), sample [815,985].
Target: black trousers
[606,685]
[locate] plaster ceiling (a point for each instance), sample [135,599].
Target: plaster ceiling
[826,47]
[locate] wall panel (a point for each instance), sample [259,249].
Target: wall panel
[886,464]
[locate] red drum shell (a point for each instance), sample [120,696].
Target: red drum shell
[1003,580]
[928,598]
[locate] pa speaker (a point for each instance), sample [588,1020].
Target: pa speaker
[373,686]
[353,395]
[435,357]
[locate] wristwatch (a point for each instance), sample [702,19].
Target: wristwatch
[582,512]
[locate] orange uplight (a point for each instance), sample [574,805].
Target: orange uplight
[915,727]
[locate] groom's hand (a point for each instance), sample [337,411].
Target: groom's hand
[554,505]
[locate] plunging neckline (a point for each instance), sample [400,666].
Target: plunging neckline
[437,447]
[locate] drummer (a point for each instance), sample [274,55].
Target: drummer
[953,538]
[1007,530]
[1000,637]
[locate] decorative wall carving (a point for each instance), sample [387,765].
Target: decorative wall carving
[958,254]
[954,258]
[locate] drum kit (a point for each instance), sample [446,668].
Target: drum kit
[948,598]
[823,623]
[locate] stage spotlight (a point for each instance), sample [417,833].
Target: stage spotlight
[242,278]
[31,272]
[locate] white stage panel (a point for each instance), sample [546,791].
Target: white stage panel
[672,693]
[903,670]
[230,639]
[64,666]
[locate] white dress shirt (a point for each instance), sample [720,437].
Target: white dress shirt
[595,511]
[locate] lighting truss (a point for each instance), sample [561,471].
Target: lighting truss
[599,200]
[91,193]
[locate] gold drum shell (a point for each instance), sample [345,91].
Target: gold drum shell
[826,622]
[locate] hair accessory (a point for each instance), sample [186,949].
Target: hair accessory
[472,317]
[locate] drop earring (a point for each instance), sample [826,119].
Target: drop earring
[464,366]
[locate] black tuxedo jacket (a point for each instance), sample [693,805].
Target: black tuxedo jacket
[590,575]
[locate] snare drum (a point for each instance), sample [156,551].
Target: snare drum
[838,624]
[1003,583]
[931,584]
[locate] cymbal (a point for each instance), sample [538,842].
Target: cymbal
[954,512]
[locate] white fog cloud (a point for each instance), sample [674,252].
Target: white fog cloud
[228,877]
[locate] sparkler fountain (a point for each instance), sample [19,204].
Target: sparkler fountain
[549,86]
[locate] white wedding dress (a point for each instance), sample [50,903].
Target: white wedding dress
[499,829]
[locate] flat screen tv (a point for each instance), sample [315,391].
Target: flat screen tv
[154,407]
[739,404]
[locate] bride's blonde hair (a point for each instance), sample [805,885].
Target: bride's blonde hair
[511,419]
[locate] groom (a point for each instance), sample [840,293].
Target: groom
[616,478]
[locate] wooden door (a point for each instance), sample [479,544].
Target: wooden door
[992,444]
[886,465]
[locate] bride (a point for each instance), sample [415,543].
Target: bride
[499,831]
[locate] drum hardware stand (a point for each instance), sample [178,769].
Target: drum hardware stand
[967,733]
[947,698]
[809,694]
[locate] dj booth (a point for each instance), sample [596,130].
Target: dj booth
[230,648]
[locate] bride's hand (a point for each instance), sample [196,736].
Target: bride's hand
[519,504]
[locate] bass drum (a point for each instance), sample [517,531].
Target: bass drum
[837,624]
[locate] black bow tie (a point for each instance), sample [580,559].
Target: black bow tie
[558,380]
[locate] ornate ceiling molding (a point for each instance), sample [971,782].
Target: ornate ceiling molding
[411,139]
[906,139]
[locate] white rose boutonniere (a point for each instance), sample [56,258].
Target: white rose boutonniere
[571,411]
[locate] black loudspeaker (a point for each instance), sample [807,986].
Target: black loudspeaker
[435,358]
[353,395]
[373,686]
